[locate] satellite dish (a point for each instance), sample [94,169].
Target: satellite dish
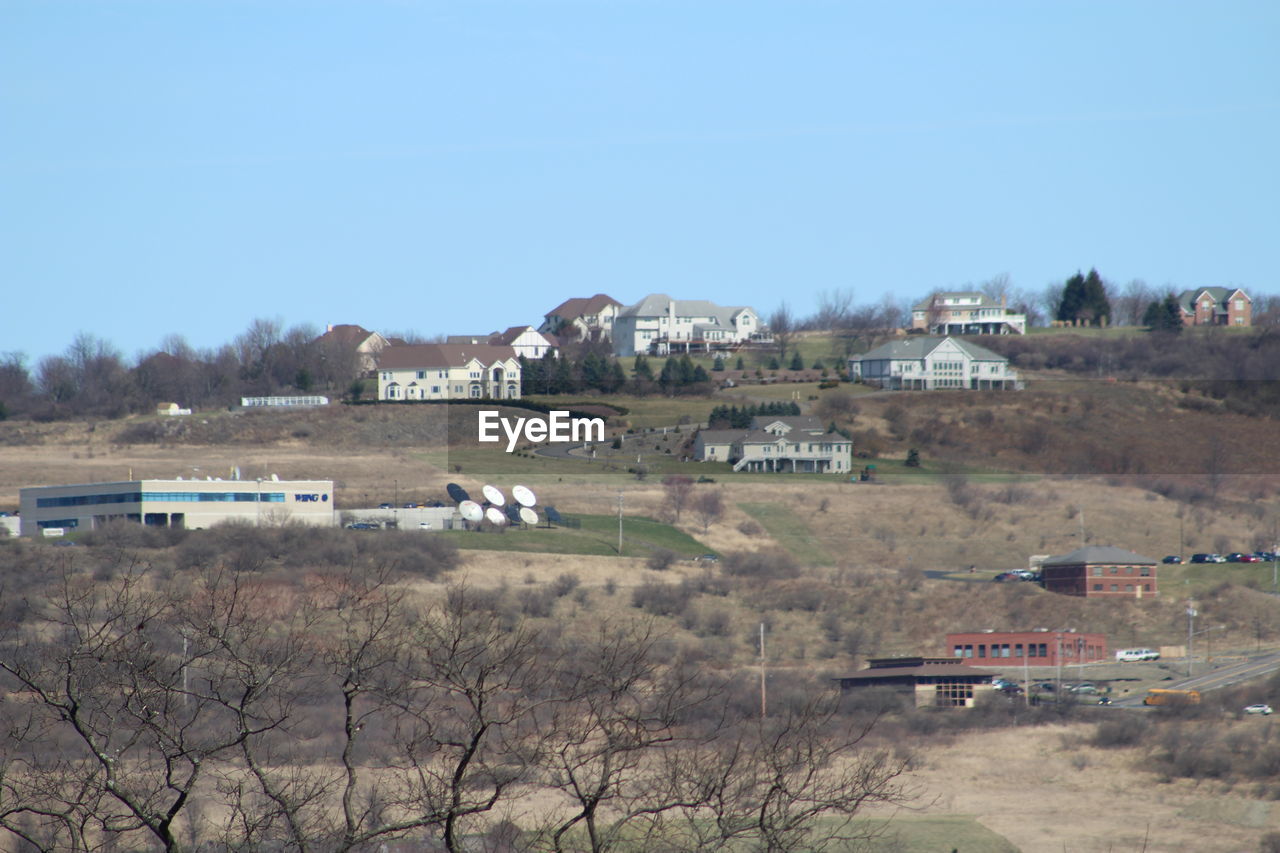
[494,495]
[456,493]
[275,478]
[471,511]
[495,516]
[513,513]
[523,495]
[553,515]
[528,516]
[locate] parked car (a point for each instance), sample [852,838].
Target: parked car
[1129,655]
[1084,687]
[1234,557]
[1249,558]
[1172,558]
[1006,576]
[1208,558]
[1260,708]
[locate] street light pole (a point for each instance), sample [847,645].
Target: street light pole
[1191,623]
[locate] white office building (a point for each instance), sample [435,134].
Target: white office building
[181,503]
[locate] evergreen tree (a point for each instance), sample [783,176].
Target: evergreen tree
[1164,315]
[797,363]
[717,366]
[641,368]
[773,363]
[700,374]
[616,378]
[1084,299]
[741,365]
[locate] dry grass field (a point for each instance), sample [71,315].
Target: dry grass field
[889,561]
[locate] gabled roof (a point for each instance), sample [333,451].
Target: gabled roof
[759,436]
[508,337]
[412,356]
[1188,298]
[983,301]
[804,423]
[720,436]
[920,347]
[1106,555]
[657,305]
[571,309]
[347,333]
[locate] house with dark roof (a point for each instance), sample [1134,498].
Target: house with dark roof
[799,444]
[660,325]
[966,313]
[364,343]
[448,372]
[582,317]
[926,364]
[929,682]
[1216,306]
[1100,571]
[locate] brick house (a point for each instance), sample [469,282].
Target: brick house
[1100,571]
[1216,306]
[1041,647]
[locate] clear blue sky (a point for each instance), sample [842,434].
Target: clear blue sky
[183,166]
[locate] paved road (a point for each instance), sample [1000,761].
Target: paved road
[1224,676]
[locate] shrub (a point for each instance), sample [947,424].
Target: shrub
[660,599]
[774,563]
[661,559]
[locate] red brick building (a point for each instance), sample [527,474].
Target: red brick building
[1216,306]
[1032,648]
[1100,571]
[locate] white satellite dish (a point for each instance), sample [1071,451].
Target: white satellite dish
[494,495]
[528,516]
[471,510]
[275,478]
[495,516]
[524,495]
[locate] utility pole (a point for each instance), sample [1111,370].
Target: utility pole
[619,522]
[1191,622]
[763,696]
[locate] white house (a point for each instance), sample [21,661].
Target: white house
[786,444]
[966,313]
[925,364]
[660,325]
[525,340]
[583,317]
[448,372]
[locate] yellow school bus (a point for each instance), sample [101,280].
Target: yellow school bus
[1157,696]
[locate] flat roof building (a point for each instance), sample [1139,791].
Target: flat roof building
[191,504]
[1032,648]
[928,682]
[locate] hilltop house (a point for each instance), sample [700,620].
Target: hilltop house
[966,313]
[1216,306]
[448,372]
[660,325]
[791,444]
[925,364]
[582,317]
[365,343]
[525,340]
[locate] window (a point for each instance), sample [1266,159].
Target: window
[1017,650]
[1145,571]
[982,650]
[1115,587]
[1031,650]
[1115,570]
[1044,650]
[1004,650]
[1239,304]
[952,695]
[422,374]
[1097,587]
[1097,571]
[968,650]
[958,651]
[1128,587]
[435,389]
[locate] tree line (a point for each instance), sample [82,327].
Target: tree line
[213,709]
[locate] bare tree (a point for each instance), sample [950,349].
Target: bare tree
[782,326]
[677,489]
[708,506]
[834,310]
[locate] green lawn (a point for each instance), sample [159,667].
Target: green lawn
[598,535]
[1199,578]
[790,532]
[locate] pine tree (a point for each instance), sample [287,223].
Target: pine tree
[797,363]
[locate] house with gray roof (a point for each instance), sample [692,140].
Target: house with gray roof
[1216,306]
[660,325]
[966,313]
[1100,571]
[777,444]
[927,364]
